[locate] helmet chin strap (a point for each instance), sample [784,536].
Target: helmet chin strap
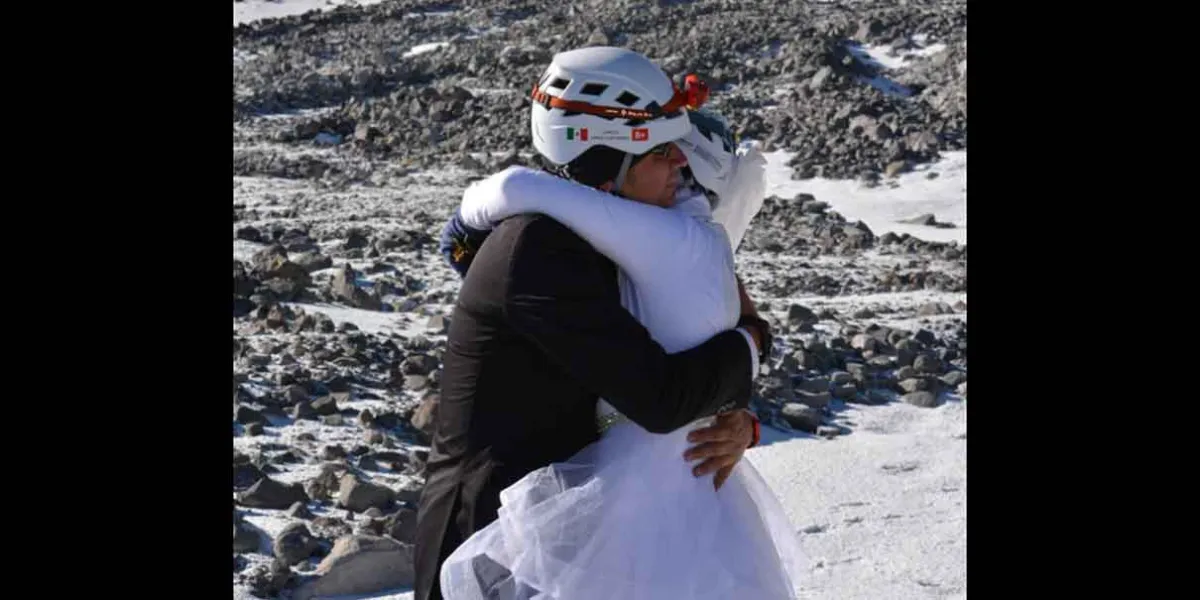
[620,181]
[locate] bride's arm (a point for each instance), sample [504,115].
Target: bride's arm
[744,196]
[642,239]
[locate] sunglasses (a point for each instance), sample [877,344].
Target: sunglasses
[663,150]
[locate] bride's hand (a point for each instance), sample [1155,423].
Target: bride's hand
[722,444]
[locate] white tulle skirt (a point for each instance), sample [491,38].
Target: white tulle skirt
[625,518]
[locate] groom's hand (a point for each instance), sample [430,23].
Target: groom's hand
[722,444]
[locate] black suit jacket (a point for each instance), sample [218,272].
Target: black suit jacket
[537,336]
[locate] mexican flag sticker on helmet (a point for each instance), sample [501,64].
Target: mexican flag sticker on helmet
[580,134]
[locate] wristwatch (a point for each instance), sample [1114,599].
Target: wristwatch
[764,331]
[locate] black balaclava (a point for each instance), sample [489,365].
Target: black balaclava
[597,165]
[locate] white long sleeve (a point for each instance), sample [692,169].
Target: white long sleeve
[676,265]
[644,240]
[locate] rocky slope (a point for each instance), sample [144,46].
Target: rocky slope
[792,73]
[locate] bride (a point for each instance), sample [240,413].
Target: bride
[626,517]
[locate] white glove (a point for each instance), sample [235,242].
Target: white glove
[745,193]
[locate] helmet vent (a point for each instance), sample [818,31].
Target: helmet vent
[627,98]
[559,83]
[594,89]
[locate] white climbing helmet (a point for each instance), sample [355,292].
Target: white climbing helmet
[711,150]
[605,96]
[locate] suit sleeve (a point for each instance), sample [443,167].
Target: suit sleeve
[555,298]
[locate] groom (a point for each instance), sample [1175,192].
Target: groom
[538,335]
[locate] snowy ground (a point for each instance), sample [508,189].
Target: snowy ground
[881,511]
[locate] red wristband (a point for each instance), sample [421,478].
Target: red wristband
[757,430]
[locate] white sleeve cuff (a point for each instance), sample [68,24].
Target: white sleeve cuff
[753,352]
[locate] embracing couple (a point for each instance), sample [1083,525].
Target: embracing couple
[593,412]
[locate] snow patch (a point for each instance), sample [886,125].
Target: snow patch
[885,59]
[371,321]
[893,59]
[883,206]
[425,48]
[256,10]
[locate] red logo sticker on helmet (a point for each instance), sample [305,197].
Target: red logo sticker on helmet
[640,134]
